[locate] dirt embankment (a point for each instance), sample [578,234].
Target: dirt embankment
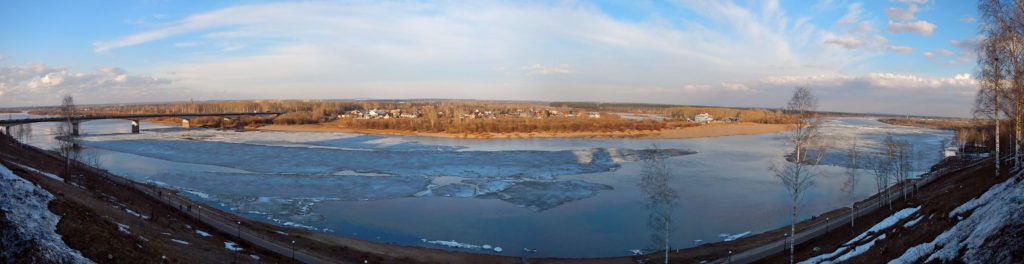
[709,130]
[936,200]
[110,223]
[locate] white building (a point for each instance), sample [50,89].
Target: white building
[703,118]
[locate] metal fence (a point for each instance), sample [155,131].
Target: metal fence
[223,222]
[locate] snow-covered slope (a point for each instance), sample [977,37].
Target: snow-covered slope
[862,243]
[988,235]
[28,228]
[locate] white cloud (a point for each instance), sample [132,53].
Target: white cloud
[872,92]
[900,49]
[902,14]
[538,69]
[928,54]
[968,19]
[921,27]
[852,16]
[41,84]
[364,49]
[970,44]
[372,49]
[846,42]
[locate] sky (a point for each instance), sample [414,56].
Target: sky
[899,56]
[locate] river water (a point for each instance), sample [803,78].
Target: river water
[562,197]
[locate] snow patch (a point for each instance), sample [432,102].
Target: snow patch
[123,228]
[911,223]
[27,227]
[972,237]
[728,237]
[180,241]
[47,174]
[202,233]
[232,246]
[845,252]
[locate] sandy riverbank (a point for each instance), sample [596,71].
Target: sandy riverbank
[710,130]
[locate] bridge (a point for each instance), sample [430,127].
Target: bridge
[186,119]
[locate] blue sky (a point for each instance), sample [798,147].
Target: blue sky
[900,56]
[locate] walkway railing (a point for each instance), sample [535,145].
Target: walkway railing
[863,208]
[225,223]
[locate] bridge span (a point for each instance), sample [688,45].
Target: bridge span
[186,119]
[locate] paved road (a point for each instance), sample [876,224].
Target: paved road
[770,249]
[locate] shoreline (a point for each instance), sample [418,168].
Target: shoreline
[703,131]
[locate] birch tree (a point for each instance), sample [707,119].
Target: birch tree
[805,148]
[659,197]
[1001,66]
[850,184]
[67,144]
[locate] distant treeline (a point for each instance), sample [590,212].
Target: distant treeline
[505,124]
[447,116]
[678,112]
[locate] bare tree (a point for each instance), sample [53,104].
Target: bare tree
[900,155]
[881,167]
[67,144]
[805,149]
[659,197]
[850,184]
[1001,67]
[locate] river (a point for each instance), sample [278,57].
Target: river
[562,197]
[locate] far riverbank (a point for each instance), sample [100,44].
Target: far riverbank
[703,131]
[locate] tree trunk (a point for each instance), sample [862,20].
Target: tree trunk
[666,245]
[792,234]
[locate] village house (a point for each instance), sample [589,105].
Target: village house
[703,118]
[594,115]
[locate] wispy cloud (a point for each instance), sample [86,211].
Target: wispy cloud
[538,69]
[899,49]
[921,27]
[42,84]
[438,45]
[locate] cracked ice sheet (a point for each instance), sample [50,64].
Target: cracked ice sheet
[534,194]
[269,159]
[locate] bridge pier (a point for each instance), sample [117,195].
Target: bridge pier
[135,126]
[74,128]
[186,123]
